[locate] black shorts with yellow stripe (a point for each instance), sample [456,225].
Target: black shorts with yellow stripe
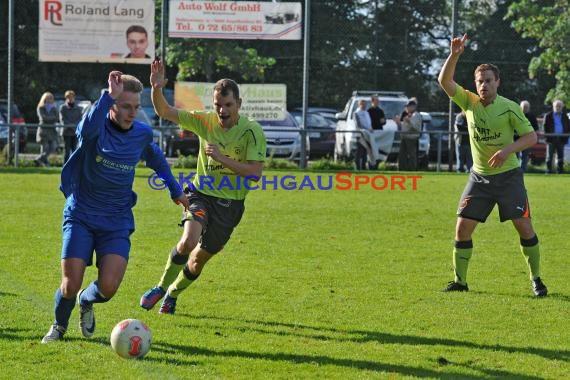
[483,192]
[217,216]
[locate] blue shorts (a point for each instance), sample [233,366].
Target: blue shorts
[81,238]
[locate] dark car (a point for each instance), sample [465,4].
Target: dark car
[327,113]
[17,118]
[173,140]
[181,141]
[148,108]
[321,133]
[439,123]
[537,153]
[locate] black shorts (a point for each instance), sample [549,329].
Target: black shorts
[505,189]
[217,216]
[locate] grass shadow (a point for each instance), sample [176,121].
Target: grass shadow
[363,336]
[322,360]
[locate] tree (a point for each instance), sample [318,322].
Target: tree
[549,23]
[211,59]
[494,40]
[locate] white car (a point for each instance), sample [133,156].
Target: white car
[283,137]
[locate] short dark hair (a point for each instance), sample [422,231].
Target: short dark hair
[487,67]
[131,84]
[136,29]
[224,86]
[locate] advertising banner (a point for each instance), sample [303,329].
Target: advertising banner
[259,101]
[235,20]
[96,31]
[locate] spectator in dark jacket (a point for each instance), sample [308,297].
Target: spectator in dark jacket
[556,123]
[70,114]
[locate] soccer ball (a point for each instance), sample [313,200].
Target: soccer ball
[131,339]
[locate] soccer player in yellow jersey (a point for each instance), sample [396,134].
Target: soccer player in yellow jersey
[232,148]
[496,177]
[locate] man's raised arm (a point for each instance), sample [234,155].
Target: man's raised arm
[448,70]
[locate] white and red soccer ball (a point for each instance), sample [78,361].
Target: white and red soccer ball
[131,339]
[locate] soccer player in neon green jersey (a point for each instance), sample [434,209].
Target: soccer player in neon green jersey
[230,146]
[496,177]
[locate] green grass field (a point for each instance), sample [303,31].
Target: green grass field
[313,285]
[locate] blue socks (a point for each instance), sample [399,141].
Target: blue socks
[63,308]
[91,295]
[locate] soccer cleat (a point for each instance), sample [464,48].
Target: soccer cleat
[151,297]
[453,286]
[539,288]
[55,332]
[168,305]
[86,318]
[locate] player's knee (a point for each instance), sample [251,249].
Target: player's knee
[108,289]
[195,265]
[463,232]
[186,245]
[69,288]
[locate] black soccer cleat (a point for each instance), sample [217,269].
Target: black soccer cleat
[538,287]
[453,286]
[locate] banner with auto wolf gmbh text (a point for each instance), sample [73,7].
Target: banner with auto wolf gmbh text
[97,31]
[259,101]
[235,20]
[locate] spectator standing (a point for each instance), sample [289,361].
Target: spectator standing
[410,124]
[462,145]
[556,122]
[69,115]
[377,116]
[46,135]
[364,124]
[525,107]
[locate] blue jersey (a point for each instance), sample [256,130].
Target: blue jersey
[97,179]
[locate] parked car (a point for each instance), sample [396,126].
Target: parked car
[537,154]
[17,118]
[321,135]
[148,108]
[283,137]
[439,122]
[327,113]
[173,140]
[180,141]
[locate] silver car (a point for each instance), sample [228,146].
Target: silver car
[283,137]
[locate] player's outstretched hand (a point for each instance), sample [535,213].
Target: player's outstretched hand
[157,79]
[115,84]
[458,44]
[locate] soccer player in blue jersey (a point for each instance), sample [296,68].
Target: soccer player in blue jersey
[496,177]
[231,146]
[97,183]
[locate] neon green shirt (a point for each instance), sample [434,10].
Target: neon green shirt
[491,128]
[243,142]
